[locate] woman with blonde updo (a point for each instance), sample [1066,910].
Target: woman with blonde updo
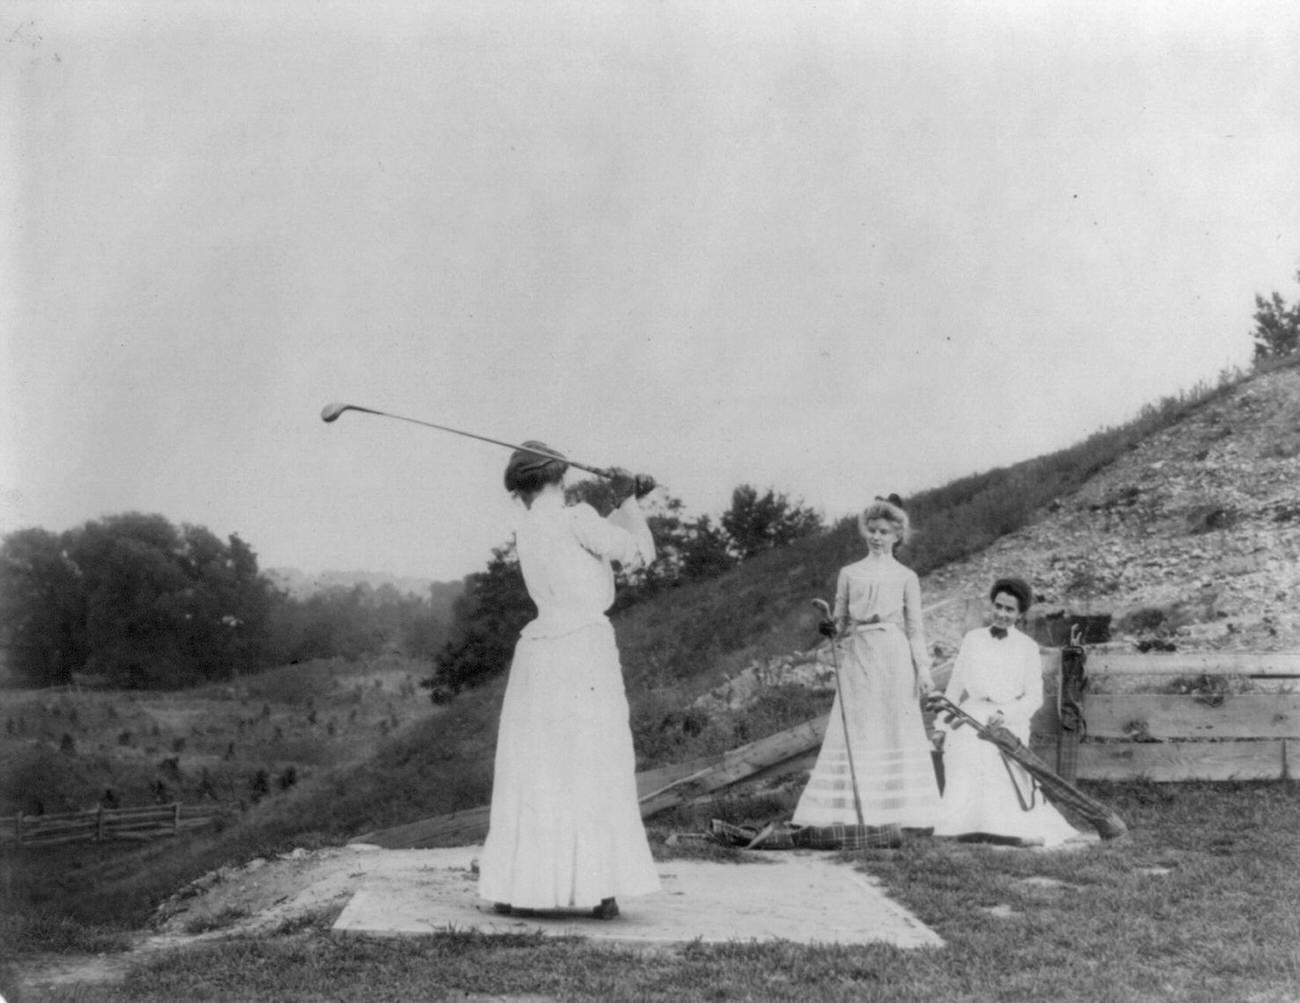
[875,734]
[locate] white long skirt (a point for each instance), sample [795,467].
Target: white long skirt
[885,748]
[565,828]
[979,798]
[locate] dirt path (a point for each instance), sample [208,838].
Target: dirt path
[372,891]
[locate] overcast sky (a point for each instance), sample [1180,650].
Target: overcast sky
[836,249]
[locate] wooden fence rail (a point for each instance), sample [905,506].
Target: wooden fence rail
[1221,732]
[100,824]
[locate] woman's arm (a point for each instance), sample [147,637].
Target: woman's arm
[624,537]
[915,630]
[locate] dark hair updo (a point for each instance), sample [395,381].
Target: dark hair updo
[1017,587]
[528,472]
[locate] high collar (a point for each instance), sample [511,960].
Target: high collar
[550,497]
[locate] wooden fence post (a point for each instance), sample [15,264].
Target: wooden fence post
[18,828]
[1070,712]
[99,824]
[176,818]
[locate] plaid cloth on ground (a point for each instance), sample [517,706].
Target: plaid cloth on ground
[784,836]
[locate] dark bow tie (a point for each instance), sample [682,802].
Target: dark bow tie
[998,632]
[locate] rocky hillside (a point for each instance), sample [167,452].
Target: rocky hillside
[1190,541]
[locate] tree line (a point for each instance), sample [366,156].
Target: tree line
[1277,326]
[135,601]
[138,602]
[495,606]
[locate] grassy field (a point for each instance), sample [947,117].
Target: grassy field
[65,750]
[1197,904]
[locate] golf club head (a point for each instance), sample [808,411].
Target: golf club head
[331,411]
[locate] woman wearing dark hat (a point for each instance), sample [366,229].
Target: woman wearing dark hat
[997,679]
[565,829]
[875,766]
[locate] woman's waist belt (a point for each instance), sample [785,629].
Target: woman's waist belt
[873,623]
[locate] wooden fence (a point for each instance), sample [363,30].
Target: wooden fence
[1218,730]
[101,824]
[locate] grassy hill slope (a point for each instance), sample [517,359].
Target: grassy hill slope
[1200,488]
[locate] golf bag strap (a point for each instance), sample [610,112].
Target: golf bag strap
[1032,801]
[1074,680]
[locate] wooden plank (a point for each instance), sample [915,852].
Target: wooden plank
[739,764]
[659,789]
[33,832]
[471,824]
[56,840]
[654,780]
[1192,663]
[468,825]
[1163,716]
[162,811]
[1171,761]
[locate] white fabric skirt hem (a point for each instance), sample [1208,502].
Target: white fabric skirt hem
[565,828]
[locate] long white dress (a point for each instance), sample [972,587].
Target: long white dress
[886,748]
[991,675]
[565,828]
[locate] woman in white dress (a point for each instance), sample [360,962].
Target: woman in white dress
[884,671]
[565,829]
[997,679]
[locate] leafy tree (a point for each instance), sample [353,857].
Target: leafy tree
[169,606]
[1277,326]
[706,552]
[42,619]
[488,618]
[756,523]
[135,599]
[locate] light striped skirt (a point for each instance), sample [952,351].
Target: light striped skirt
[885,749]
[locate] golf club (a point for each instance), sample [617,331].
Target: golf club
[825,608]
[331,412]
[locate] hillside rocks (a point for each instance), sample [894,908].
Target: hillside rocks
[1189,542]
[1192,538]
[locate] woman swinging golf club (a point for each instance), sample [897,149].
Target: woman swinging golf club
[565,829]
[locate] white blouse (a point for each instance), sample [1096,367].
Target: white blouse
[871,594]
[994,674]
[565,553]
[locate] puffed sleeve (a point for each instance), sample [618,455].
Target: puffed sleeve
[912,624]
[624,537]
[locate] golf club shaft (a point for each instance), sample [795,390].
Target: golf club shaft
[825,608]
[331,411]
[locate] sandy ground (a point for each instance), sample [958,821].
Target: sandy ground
[801,896]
